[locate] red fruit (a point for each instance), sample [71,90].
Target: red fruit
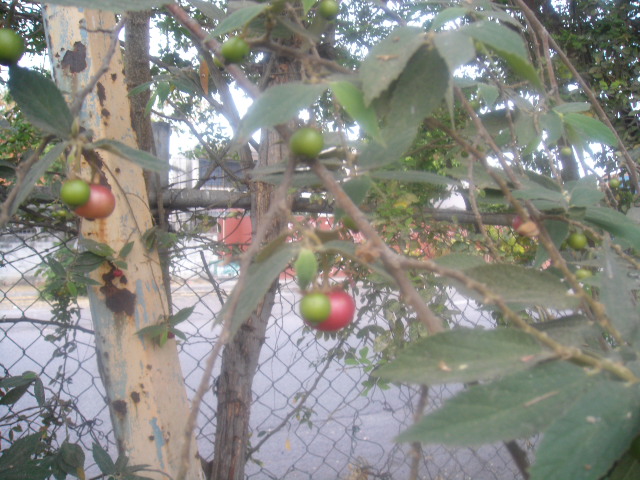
[118,273]
[100,205]
[516,222]
[343,309]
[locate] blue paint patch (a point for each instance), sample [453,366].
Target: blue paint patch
[159,439]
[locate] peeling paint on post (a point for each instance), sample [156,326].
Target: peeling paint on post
[144,383]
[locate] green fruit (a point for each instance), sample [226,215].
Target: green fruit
[583,273]
[315,307]
[307,142]
[306,267]
[614,183]
[11,47]
[75,192]
[566,151]
[328,9]
[234,49]
[577,241]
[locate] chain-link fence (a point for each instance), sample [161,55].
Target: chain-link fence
[316,411]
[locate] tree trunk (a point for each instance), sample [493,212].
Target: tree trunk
[240,356]
[137,72]
[143,382]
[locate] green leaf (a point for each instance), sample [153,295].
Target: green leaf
[413,176]
[460,261]
[551,123]
[572,107]
[617,293]
[624,230]
[126,250]
[87,262]
[516,406]
[455,48]
[34,174]
[239,18]
[279,104]
[21,451]
[103,459]
[181,315]
[543,198]
[592,435]
[143,159]
[507,44]
[387,60]
[40,101]
[357,188]
[488,93]
[463,355]
[574,330]
[13,395]
[352,100]
[521,286]
[97,248]
[38,391]
[590,130]
[18,381]
[407,110]
[113,5]
[153,331]
[260,277]
[72,454]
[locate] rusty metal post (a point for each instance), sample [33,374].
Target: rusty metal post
[144,383]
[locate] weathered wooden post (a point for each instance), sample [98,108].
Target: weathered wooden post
[143,381]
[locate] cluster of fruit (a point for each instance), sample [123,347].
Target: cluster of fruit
[328,311]
[89,201]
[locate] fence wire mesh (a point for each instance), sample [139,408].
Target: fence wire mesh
[316,413]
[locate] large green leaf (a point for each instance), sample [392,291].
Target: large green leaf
[112,5]
[387,60]
[456,48]
[618,289]
[279,104]
[590,130]
[239,18]
[260,277]
[623,229]
[40,101]
[464,355]
[521,286]
[103,459]
[516,406]
[592,435]
[139,157]
[507,44]
[34,174]
[352,100]
[419,90]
